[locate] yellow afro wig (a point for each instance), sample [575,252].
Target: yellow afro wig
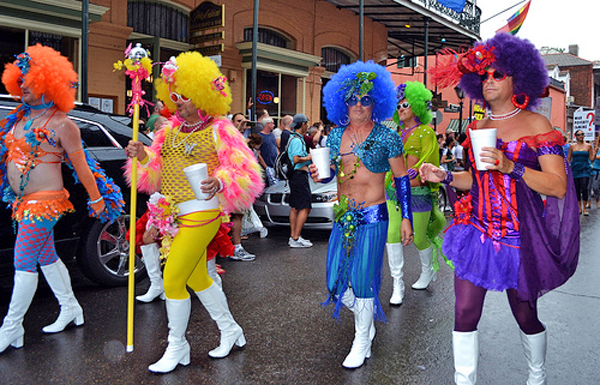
[46,72]
[198,78]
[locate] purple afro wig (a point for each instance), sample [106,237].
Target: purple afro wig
[517,58]
[383,91]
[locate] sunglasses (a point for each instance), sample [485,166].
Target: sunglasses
[579,135]
[176,97]
[404,105]
[20,81]
[366,101]
[497,75]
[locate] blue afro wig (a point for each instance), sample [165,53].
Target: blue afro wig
[383,92]
[517,58]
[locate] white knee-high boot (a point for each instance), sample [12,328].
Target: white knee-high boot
[151,258]
[178,350]
[349,300]
[58,279]
[11,332]
[361,346]
[465,346]
[215,302]
[211,266]
[427,273]
[395,253]
[534,347]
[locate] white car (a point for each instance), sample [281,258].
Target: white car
[273,206]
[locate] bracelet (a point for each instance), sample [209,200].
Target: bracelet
[517,172]
[449,178]
[96,201]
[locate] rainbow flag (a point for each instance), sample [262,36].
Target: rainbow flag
[516,21]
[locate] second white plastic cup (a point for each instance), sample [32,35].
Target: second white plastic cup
[195,174]
[485,137]
[320,158]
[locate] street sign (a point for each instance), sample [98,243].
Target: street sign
[584,121]
[478,112]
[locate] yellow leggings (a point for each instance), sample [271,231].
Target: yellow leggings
[186,263]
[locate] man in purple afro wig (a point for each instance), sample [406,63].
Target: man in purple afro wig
[504,237]
[513,56]
[362,150]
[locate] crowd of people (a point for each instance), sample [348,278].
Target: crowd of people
[503,237]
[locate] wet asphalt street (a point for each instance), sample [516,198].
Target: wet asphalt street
[294,340]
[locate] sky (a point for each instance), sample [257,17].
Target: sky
[550,23]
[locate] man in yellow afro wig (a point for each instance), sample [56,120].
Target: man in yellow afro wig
[197,78]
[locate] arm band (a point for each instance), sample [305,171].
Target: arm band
[404,196]
[84,174]
[412,173]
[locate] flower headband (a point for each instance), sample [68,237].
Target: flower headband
[360,85]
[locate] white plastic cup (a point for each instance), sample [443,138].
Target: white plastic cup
[320,158]
[484,137]
[195,174]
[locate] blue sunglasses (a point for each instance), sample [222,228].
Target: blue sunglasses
[365,101]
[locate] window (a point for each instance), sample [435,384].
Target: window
[333,58]
[270,37]
[160,20]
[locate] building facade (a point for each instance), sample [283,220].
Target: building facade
[300,44]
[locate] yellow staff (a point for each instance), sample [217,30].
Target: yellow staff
[139,66]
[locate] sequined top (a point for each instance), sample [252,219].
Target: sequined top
[180,150]
[381,144]
[19,152]
[493,194]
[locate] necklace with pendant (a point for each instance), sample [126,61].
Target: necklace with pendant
[195,127]
[355,148]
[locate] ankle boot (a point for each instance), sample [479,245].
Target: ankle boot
[211,266]
[58,279]
[465,346]
[151,258]
[178,350]
[361,346]
[427,273]
[11,332]
[534,347]
[395,253]
[215,302]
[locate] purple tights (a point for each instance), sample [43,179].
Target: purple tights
[469,305]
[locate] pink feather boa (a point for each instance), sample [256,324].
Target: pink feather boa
[239,171]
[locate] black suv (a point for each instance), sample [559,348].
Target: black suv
[101,249]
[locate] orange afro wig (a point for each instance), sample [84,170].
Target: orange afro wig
[46,72]
[196,77]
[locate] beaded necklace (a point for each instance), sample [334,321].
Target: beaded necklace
[505,116]
[409,131]
[195,127]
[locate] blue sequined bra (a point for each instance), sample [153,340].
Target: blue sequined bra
[381,144]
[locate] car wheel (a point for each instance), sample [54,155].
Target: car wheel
[104,253]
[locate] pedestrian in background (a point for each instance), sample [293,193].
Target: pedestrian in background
[580,156]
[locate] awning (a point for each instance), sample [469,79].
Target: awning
[276,59]
[63,13]
[447,29]
[454,124]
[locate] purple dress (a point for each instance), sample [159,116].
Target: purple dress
[505,235]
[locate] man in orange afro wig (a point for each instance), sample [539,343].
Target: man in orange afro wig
[34,139]
[47,74]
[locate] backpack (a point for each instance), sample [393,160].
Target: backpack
[284,167]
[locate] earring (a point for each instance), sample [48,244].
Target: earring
[345,121]
[516,103]
[417,120]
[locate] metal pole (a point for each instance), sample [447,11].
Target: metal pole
[361,28]
[460,119]
[85,8]
[254,59]
[426,51]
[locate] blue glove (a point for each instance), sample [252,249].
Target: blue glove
[404,196]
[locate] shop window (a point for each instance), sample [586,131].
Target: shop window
[267,95]
[11,44]
[157,19]
[333,58]
[270,37]
[67,46]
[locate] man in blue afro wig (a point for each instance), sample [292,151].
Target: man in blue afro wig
[362,150]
